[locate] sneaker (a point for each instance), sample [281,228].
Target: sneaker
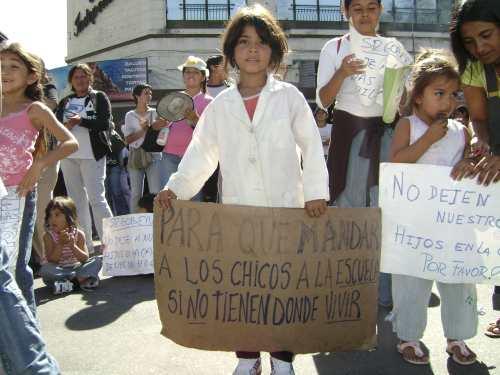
[279,367]
[67,287]
[248,367]
[90,284]
[61,287]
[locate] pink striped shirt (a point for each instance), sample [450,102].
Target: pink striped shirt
[17,142]
[67,257]
[181,132]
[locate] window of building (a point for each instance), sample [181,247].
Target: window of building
[414,11]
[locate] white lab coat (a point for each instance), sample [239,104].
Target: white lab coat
[259,159]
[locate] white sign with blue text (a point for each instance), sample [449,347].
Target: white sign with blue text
[11,214]
[128,242]
[436,228]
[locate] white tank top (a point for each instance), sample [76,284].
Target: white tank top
[448,150]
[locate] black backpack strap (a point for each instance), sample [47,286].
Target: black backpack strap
[491,80]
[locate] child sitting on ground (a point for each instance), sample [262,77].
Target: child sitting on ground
[68,259]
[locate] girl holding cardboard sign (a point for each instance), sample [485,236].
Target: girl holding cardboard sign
[253,130]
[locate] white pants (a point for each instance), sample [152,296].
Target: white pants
[84,180]
[411,298]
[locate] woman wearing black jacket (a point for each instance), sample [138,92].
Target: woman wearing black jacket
[87,113]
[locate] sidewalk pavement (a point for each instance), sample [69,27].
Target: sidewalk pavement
[116,330]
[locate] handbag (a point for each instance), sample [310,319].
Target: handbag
[139,158]
[149,144]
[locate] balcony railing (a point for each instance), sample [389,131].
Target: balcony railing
[206,12]
[328,13]
[316,13]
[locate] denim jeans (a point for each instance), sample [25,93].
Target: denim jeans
[24,274]
[84,180]
[169,165]
[117,190]
[22,349]
[154,175]
[51,272]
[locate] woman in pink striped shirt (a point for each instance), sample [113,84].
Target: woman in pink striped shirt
[195,75]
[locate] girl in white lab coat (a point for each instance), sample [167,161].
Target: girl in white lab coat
[253,129]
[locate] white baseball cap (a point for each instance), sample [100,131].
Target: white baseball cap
[195,62]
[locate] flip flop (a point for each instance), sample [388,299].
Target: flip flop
[492,327]
[417,352]
[464,351]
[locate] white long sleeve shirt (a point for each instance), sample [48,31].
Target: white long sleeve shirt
[259,159]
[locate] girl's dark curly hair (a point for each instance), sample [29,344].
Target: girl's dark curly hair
[66,206]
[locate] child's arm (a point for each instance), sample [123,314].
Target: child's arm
[330,87]
[403,152]
[79,247]
[465,167]
[315,174]
[41,116]
[53,249]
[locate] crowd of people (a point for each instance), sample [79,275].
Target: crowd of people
[238,145]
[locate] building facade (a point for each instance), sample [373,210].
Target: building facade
[167,31]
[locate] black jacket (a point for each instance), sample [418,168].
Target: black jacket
[98,123]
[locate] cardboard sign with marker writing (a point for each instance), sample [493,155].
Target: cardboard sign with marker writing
[250,278]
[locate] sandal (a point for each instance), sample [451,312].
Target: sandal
[410,350]
[463,356]
[493,329]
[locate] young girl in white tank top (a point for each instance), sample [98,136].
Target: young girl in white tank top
[429,137]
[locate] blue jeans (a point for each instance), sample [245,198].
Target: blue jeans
[51,272]
[169,165]
[22,349]
[117,190]
[154,175]
[24,274]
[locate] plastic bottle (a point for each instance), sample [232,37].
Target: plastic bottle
[161,140]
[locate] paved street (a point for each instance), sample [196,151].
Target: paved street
[115,330]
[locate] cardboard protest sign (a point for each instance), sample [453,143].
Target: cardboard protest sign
[437,228]
[11,215]
[378,53]
[252,278]
[128,241]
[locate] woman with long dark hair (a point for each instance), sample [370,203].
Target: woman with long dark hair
[475,40]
